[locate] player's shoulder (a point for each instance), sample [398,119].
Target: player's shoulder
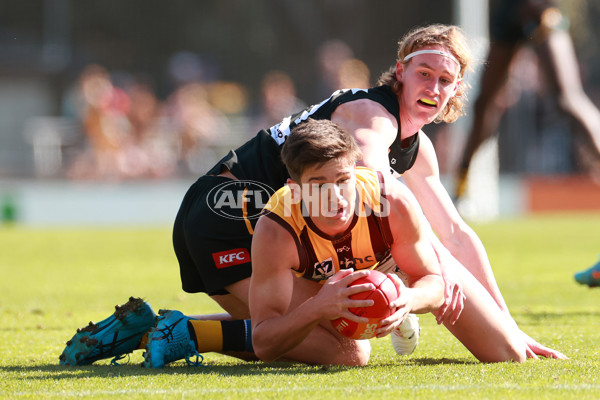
[363,107]
[274,245]
[273,232]
[368,121]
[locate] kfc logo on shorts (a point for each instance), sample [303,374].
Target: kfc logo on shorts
[229,258]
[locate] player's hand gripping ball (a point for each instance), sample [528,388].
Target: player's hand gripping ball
[384,293]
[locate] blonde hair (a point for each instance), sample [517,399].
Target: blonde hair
[453,40]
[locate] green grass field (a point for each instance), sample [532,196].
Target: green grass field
[56,280]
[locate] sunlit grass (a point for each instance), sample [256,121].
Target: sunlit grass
[56,280]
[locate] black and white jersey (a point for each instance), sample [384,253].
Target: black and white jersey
[259,158]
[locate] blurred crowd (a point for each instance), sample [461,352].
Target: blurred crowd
[128,132]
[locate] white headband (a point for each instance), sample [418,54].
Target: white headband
[438,52]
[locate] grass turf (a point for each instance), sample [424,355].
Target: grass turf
[56,280]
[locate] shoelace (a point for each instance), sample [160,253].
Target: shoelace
[195,363]
[114,362]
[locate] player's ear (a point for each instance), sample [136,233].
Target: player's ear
[399,71]
[456,86]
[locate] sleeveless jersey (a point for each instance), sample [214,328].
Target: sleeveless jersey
[365,243]
[259,159]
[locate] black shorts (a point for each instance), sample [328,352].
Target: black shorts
[213,233]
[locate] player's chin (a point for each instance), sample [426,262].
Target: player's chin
[338,220]
[431,118]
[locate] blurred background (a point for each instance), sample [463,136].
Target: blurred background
[110,109]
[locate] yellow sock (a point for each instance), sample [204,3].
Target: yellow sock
[144,341]
[208,336]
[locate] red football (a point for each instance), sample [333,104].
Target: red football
[384,293]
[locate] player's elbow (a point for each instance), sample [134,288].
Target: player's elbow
[263,353]
[516,350]
[512,350]
[264,347]
[508,354]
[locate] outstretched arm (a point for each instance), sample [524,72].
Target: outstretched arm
[462,242]
[457,236]
[414,255]
[454,298]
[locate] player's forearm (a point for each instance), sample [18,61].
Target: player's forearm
[467,248]
[427,294]
[274,337]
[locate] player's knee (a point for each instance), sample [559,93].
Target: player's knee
[355,353]
[348,352]
[365,352]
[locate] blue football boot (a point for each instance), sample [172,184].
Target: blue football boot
[170,341]
[115,336]
[590,276]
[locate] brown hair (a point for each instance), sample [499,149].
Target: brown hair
[453,40]
[316,142]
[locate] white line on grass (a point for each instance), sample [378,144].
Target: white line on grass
[198,391]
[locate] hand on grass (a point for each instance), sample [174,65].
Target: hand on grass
[535,349]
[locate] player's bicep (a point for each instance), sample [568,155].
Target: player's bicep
[271,282]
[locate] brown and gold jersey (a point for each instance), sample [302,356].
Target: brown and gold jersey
[365,244]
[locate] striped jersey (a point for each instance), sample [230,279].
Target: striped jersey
[365,243]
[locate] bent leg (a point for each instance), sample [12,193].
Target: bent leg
[483,328]
[235,303]
[322,346]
